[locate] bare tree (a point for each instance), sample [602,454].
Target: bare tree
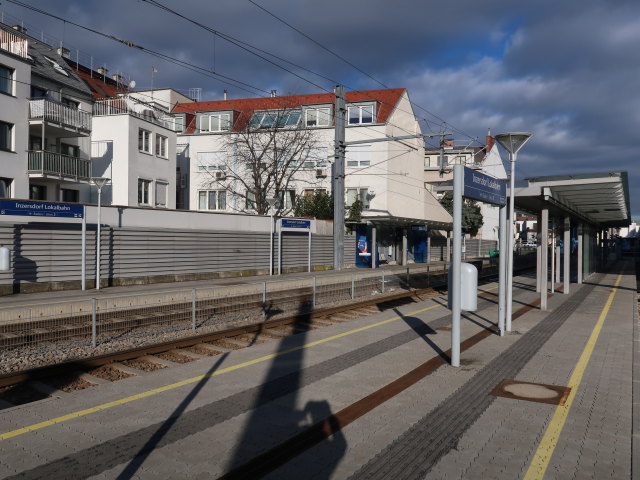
[269,158]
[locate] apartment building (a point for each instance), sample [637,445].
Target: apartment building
[46,125]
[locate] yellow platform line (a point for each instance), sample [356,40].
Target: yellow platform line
[155,391]
[544,452]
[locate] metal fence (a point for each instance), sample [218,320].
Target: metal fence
[122,322]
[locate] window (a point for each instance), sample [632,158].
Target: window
[354,194]
[70,103]
[71,150]
[5,187]
[37,92]
[279,119]
[251,201]
[6,80]
[6,136]
[37,192]
[144,189]
[144,140]
[161,146]
[287,199]
[69,195]
[309,192]
[359,114]
[161,194]
[56,66]
[318,117]
[212,200]
[358,156]
[178,124]
[215,122]
[210,161]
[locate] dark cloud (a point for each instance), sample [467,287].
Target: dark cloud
[566,71]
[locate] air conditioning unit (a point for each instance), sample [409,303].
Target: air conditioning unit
[220,175]
[321,173]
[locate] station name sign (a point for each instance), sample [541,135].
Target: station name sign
[295,223]
[484,188]
[40,209]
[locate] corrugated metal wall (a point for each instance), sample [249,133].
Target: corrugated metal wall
[48,254]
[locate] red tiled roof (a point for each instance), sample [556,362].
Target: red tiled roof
[386,100]
[100,88]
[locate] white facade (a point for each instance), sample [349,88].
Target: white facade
[129,150]
[386,175]
[16,72]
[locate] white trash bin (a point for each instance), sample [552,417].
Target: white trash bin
[468,287]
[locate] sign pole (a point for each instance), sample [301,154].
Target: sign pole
[458,172]
[83,267]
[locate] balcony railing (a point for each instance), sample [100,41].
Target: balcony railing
[13,43]
[131,106]
[59,165]
[50,111]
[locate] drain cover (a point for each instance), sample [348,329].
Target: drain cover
[533,392]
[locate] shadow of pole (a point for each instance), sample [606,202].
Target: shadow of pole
[422,330]
[140,457]
[293,429]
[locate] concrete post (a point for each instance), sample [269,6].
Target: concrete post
[567,254]
[543,245]
[374,246]
[580,260]
[404,246]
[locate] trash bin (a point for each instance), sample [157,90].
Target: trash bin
[468,287]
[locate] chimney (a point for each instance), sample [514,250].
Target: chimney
[225,94]
[448,144]
[490,141]
[118,78]
[102,70]
[64,52]
[19,28]
[273,93]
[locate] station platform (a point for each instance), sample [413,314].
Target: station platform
[372,397]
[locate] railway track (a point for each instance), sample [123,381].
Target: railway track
[17,388]
[35,384]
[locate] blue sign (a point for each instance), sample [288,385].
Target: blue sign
[484,188]
[40,209]
[419,228]
[295,223]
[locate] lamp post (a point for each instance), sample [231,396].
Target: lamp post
[511,142]
[271,201]
[98,182]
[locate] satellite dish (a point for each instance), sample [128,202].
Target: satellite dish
[132,84]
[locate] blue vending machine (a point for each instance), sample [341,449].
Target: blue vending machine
[418,243]
[363,247]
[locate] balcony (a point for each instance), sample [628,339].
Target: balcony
[14,44]
[44,164]
[67,121]
[130,106]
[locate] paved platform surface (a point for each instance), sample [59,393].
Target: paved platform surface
[366,398]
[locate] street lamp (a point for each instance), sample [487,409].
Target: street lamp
[272,202]
[98,182]
[511,142]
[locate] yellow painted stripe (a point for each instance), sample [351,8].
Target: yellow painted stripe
[149,393]
[542,457]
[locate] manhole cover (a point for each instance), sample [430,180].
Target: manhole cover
[533,392]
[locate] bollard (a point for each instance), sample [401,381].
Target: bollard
[353,286]
[193,309]
[264,300]
[93,323]
[313,300]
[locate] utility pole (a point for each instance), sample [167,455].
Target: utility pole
[338,178]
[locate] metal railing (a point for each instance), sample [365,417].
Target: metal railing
[14,44]
[131,106]
[59,113]
[51,163]
[121,322]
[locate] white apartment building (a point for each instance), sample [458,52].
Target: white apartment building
[387,176]
[15,78]
[46,122]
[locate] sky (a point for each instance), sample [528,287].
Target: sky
[568,72]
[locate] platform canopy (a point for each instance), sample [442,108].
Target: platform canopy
[601,199]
